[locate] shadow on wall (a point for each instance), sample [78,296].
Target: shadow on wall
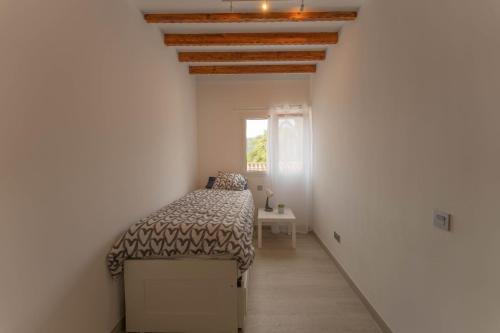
[253,182]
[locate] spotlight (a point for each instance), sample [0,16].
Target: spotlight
[265,6]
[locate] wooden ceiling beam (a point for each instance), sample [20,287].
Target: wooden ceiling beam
[251,56]
[291,38]
[252,69]
[251,17]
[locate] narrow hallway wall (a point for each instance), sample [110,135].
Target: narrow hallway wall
[406,121]
[97,129]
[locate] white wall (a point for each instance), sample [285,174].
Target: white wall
[97,129]
[406,120]
[223,102]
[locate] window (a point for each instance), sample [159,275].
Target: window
[256,145]
[291,143]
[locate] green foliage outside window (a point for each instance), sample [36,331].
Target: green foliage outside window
[257,149]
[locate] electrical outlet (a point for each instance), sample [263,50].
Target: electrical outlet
[260,187]
[442,220]
[336,236]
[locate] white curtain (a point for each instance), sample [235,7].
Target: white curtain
[290,160]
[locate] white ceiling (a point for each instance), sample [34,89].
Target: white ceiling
[200,6]
[212,6]
[216,28]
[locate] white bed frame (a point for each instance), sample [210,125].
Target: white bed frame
[184,295]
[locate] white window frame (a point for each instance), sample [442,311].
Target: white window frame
[255,115]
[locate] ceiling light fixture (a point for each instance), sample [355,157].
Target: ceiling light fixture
[265,5]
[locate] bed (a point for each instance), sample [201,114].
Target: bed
[185,266]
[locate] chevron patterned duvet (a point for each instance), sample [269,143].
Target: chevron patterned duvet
[203,223]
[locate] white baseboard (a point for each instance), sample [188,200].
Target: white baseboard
[380,321]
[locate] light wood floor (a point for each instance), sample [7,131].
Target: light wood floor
[301,291]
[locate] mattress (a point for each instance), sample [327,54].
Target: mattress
[204,223]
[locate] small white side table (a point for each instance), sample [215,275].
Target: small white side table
[273,217]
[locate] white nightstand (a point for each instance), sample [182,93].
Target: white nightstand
[273,217]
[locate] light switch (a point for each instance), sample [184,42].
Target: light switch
[442,220]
